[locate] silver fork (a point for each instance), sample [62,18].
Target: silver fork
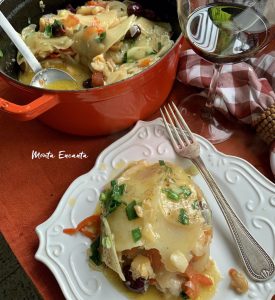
[258,263]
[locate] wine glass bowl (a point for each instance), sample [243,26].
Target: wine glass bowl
[222,32]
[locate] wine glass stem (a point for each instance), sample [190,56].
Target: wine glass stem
[209,106]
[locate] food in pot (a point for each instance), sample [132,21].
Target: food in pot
[155,230]
[99,43]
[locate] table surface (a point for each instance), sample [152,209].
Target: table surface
[31,188]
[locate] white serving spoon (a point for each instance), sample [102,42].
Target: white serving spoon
[42,77]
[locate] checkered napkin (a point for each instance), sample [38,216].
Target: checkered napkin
[245,90]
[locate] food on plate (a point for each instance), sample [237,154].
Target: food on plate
[158,228]
[99,43]
[238,281]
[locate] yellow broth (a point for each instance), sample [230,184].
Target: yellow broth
[79,73]
[61,85]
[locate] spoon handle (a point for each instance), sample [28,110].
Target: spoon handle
[19,43]
[258,263]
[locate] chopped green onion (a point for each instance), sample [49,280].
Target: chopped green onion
[48,31]
[183,217]
[96,257]
[195,204]
[106,242]
[161,162]
[103,196]
[118,191]
[171,194]
[1,53]
[112,205]
[101,37]
[111,198]
[186,191]
[113,183]
[130,210]
[136,234]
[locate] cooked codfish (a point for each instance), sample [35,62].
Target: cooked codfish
[159,225]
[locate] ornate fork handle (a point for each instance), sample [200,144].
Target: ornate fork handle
[257,262]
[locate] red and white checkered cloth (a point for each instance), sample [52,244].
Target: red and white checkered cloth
[244,90]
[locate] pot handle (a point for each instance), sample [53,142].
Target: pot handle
[30,110]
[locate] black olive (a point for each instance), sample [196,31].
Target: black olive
[57,29]
[70,8]
[140,285]
[133,32]
[134,9]
[87,84]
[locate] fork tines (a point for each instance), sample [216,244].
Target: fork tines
[178,130]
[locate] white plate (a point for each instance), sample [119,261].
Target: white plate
[250,193]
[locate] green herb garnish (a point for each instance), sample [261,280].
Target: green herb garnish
[48,31]
[162,163]
[186,191]
[1,53]
[117,190]
[171,194]
[101,37]
[112,205]
[111,198]
[104,195]
[183,217]
[130,210]
[96,257]
[136,234]
[195,204]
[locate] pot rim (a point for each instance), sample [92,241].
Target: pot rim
[109,86]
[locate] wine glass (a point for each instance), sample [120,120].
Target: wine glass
[221,32]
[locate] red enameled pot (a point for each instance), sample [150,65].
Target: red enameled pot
[90,112]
